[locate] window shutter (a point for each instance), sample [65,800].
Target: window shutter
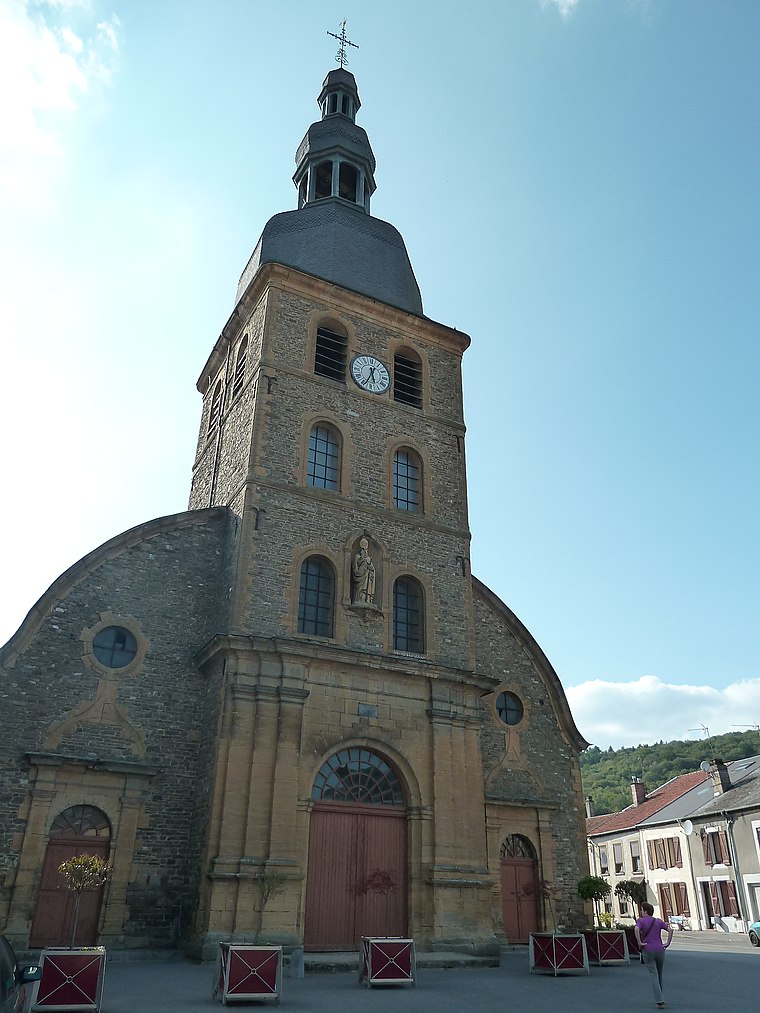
[706,850]
[666,901]
[677,860]
[733,906]
[725,856]
[651,854]
[682,899]
[714,899]
[662,861]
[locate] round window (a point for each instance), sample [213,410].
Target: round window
[509,708]
[114,647]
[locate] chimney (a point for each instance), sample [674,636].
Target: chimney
[638,790]
[589,807]
[720,779]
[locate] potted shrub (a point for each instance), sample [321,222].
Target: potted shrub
[72,978]
[593,888]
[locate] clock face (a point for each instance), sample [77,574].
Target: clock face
[370,374]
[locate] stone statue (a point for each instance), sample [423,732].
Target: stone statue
[362,576]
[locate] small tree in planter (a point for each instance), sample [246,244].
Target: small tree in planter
[594,888]
[82,872]
[547,892]
[630,889]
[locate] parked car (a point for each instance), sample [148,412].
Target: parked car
[754,933]
[14,979]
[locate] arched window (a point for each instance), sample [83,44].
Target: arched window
[407,472]
[407,378]
[331,354]
[359,776]
[323,183]
[323,466]
[408,616]
[316,599]
[517,846]
[240,364]
[81,820]
[216,406]
[348,182]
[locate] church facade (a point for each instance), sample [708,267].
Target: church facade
[292,711]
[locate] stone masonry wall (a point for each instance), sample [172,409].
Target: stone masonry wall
[167,587]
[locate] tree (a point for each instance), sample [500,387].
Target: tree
[630,889]
[593,888]
[82,872]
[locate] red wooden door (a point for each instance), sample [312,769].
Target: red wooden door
[352,848]
[54,911]
[519,894]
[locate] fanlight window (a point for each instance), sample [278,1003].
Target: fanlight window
[407,379]
[331,354]
[408,618]
[359,776]
[316,598]
[81,820]
[517,846]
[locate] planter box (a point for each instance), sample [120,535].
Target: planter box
[70,979]
[247,972]
[630,938]
[558,953]
[606,946]
[387,960]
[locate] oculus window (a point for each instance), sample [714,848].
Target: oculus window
[114,647]
[509,708]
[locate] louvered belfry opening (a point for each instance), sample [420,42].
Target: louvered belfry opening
[331,354]
[407,380]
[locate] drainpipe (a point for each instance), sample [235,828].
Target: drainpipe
[737,870]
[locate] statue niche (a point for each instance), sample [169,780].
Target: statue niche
[364,582]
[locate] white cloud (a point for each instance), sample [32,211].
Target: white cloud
[649,710]
[52,55]
[565,7]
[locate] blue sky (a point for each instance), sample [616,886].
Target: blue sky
[577,186]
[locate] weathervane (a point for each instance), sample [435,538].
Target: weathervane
[341,58]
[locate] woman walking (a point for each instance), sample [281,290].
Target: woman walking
[649,937]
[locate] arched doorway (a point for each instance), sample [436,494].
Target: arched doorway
[80,830]
[519,888]
[356,881]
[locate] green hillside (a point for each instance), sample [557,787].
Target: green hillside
[607,773]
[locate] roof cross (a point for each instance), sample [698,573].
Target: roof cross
[341,58]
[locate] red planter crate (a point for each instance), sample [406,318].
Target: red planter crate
[631,941]
[606,946]
[558,953]
[387,960]
[70,979]
[246,972]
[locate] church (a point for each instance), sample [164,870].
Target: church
[291,711]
